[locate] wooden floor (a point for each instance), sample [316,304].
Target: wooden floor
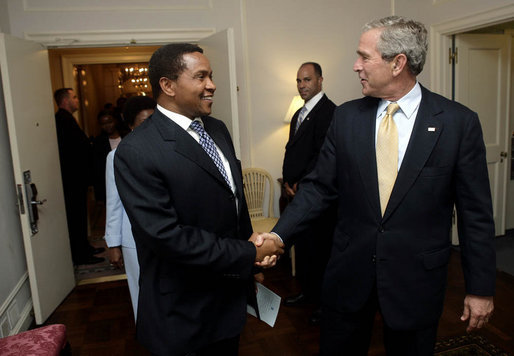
[99,319]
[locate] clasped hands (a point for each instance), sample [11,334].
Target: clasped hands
[269,248]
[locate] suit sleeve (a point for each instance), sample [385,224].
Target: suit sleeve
[474,213]
[318,192]
[156,223]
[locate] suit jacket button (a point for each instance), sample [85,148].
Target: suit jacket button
[231,197]
[381,228]
[374,259]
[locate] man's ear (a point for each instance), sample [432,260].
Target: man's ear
[398,63]
[168,86]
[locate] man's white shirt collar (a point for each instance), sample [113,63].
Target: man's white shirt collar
[179,119]
[313,101]
[409,103]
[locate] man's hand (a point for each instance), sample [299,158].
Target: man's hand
[291,191]
[478,310]
[269,247]
[116,257]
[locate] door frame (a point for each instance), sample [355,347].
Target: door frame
[441,40]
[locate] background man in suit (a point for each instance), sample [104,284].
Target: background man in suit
[392,241]
[75,155]
[181,185]
[307,132]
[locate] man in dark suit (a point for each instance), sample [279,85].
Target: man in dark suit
[75,155]
[181,185]
[307,132]
[392,240]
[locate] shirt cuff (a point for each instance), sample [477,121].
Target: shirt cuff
[277,235]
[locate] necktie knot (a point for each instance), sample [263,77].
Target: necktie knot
[392,108]
[209,147]
[197,127]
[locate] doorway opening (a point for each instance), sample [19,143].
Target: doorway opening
[103,79]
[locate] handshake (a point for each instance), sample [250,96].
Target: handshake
[269,248]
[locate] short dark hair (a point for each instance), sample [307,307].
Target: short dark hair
[61,94]
[103,113]
[168,61]
[134,106]
[317,68]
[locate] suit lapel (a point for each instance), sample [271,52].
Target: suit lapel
[425,133]
[364,133]
[227,150]
[292,127]
[186,146]
[304,127]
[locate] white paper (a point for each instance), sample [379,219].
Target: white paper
[268,304]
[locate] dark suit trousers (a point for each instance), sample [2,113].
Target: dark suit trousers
[350,334]
[312,251]
[75,201]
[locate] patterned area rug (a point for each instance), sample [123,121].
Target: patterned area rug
[467,345]
[100,272]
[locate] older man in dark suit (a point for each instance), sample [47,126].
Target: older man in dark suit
[396,162]
[181,185]
[307,132]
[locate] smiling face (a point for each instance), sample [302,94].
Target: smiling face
[194,89]
[375,73]
[308,82]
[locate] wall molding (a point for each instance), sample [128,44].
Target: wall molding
[12,296]
[117,37]
[25,319]
[89,5]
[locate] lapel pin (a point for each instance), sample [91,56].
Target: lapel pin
[431,129]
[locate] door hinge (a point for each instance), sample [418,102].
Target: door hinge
[453,55]
[20,203]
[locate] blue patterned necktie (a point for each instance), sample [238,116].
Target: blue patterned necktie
[208,145]
[301,116]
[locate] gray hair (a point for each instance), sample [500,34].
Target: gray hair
[401,36]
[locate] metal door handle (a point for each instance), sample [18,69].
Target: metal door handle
[38,202]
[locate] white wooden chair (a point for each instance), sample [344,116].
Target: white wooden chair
[258,188]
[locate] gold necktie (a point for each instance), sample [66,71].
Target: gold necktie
[387,155]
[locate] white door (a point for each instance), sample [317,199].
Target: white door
[481,83]
[219,48]
[30,119]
